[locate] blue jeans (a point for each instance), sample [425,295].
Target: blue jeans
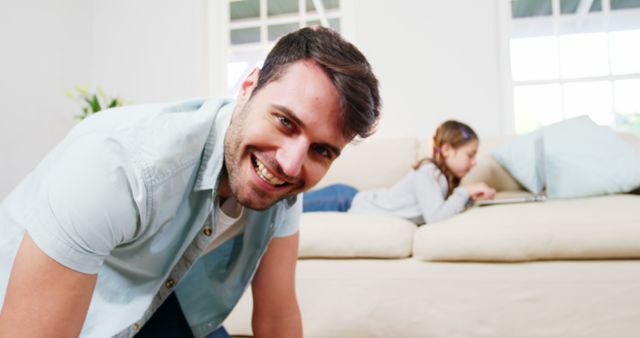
[168,321]
[336,197]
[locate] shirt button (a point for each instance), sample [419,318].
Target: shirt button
[207,231]
[169,283]
[135,326]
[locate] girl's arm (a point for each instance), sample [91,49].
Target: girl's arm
[431,189]
[480,189]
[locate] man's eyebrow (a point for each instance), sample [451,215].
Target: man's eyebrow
[293,117]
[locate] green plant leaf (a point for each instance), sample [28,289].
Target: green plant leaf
[92,101]
[82,91]
[95,104]
[114,103]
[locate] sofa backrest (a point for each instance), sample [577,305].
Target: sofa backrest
[381,162]
[373,163]
[488,170]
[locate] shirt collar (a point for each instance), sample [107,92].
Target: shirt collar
[213,154]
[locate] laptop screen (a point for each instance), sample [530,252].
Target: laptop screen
[540,166]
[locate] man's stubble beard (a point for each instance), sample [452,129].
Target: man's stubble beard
[233,155]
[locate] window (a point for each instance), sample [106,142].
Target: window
[255,26]
[575,57]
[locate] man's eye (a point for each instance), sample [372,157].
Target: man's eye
[285,122]
[322,150]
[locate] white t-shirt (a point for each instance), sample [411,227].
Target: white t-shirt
[228,222]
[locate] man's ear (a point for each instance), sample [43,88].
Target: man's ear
[248,84]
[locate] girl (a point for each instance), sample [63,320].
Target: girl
[428,194]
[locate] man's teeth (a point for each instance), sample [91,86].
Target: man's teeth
[262,171]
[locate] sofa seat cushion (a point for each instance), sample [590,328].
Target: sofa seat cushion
[590,228]
[345,235]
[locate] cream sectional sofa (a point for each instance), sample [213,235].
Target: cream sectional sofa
[561,268]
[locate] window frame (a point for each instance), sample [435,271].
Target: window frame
[558,25]
[223,53]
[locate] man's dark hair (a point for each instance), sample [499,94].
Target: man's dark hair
[347,68]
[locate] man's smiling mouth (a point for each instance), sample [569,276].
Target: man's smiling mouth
[265,174]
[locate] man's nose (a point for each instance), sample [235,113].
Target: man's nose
[291,156]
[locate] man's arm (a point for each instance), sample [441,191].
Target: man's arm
[44,298]
[275,307]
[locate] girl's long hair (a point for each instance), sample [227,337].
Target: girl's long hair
[456,134]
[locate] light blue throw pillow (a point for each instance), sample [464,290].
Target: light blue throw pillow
[581,159]
[585,159]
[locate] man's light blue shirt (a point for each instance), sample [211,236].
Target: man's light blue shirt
[128,194]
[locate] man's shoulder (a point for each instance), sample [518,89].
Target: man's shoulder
[170,116]
[161,136]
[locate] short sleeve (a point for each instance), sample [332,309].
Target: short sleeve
[84,205]
[290,222]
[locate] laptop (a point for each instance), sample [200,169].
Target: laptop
[540,194]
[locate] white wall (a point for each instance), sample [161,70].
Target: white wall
[43,54]
[436,60]
[150,50]
[143,50]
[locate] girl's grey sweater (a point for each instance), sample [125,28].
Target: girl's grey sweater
[419,197]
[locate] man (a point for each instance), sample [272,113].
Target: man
[186,202]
